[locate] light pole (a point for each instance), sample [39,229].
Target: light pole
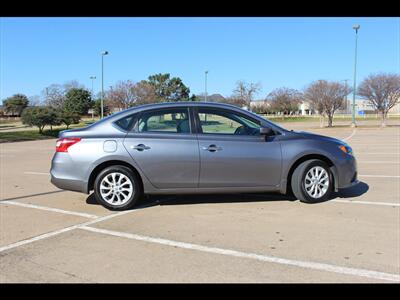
[92,78]
[353,116]
[102,81]
[345,97]
[205,86]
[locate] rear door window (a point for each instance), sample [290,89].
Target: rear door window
[174,120]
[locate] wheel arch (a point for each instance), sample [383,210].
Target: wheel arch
[287,186]
[109,163]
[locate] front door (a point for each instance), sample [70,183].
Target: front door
[163,146]
[233,153]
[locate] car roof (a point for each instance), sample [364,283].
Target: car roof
[113,117]
[181,103]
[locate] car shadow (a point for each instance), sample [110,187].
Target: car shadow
[352,192]
[154,200]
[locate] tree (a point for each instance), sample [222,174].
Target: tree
[16,104]
[168,89]
[121,96]
[235,100]
[97,107]
[144,93]
[40,117]
[54,96]
[284,100]
[326,97]
[382,91]
[244,92]
[77,100]
[69,118]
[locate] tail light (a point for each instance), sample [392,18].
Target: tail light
[62,145]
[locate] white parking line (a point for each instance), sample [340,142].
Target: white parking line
[377,162]
[351,135]
[66,212]
[57,232]
[379,153]
[259,257]
[36,173]
[379,176]
[366,202]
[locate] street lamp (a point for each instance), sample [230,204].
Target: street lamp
[102,81]
[353,116]
[345,97]
[92,78]
[205,85]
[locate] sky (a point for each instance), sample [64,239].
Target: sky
[276,52]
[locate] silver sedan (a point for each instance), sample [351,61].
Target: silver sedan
[193,147]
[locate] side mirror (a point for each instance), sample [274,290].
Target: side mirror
[266,131]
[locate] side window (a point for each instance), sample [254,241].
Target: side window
[225,122]
[165,121]
[124,123]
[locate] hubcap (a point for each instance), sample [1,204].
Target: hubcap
[316,182]
[116,188]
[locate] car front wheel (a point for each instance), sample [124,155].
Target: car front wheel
[117,188]
[312,181]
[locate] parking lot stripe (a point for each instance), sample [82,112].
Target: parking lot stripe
[380,176]
[259,257]
[66,229]
[351,135]
[66,212]
[379,153]
[37,173]
[366,202]
[377,162]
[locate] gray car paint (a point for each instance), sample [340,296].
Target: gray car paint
[177,163]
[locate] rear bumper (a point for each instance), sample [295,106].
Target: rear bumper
[69,184]
[66,175]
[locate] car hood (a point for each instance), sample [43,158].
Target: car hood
[313,136]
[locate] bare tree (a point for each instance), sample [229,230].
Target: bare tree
[326,97]
[244,92]
[382,91]
[285,100]
[121,96]
[144,93]
[54,96]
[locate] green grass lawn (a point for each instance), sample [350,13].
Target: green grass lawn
[28,135]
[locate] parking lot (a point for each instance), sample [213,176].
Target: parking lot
[50,235]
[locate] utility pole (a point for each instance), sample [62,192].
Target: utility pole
[102,82]
[205,86]
[353,116]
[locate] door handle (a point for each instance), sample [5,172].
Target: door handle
[140,147]
[212,148]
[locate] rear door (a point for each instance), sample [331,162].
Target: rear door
[233,153]
[163,146]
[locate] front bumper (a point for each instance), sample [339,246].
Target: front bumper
[347,172]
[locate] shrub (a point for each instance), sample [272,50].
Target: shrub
[40,117]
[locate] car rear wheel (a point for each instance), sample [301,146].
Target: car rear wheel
[312,181]
[117,188]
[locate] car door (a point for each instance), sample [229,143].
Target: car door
[232,151]
[162,144]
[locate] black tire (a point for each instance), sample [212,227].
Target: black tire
[133,178]
[298,179]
